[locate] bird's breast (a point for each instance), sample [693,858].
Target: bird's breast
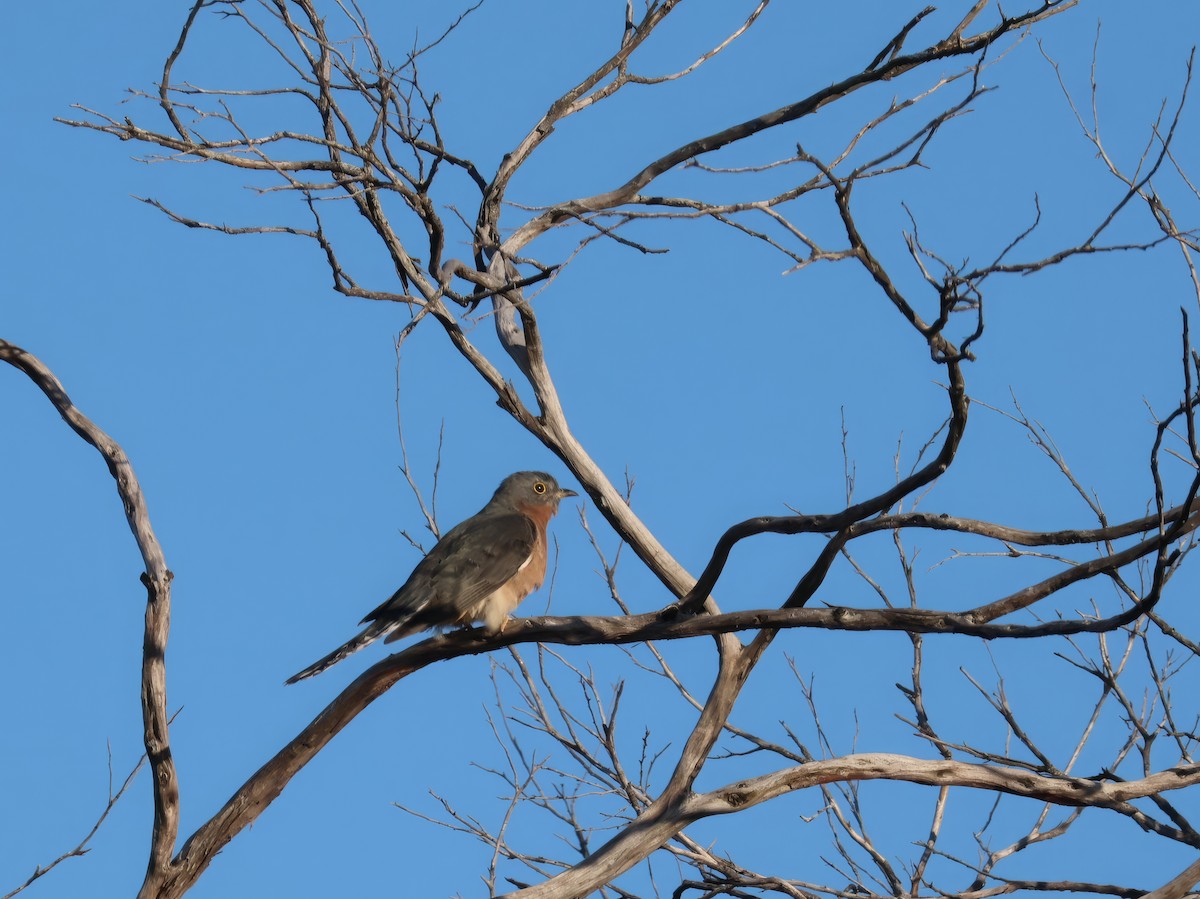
[493,610]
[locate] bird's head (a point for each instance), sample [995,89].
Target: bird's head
[531,490]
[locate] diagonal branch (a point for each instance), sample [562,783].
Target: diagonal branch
[951,46]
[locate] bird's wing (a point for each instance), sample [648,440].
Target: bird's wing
[470,562]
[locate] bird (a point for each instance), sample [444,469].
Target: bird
[478,571]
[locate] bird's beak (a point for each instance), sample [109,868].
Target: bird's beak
[564,492]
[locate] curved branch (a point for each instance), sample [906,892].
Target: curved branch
[1059,790]
[157,579]
[662,822]
[797,524]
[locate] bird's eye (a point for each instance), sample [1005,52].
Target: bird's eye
[539,488]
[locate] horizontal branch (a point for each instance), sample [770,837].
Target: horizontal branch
[227,151]
[663,821]
[1060,790]
[602,630]
[850,529]
[265,785]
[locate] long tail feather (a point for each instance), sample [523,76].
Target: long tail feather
[370,634]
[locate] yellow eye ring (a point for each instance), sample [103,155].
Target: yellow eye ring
[539,488]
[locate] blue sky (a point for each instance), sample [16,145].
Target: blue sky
[259,410]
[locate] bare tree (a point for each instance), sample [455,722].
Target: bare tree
[369,137]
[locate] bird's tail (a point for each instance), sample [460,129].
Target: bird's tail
[370,634]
